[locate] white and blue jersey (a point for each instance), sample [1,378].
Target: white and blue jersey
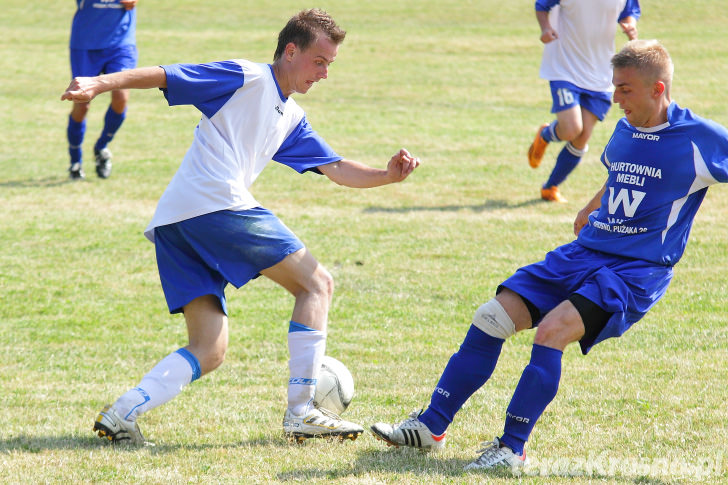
[246,122]
[587,31]
[657,180]
[100,24]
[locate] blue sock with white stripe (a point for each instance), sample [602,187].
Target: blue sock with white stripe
[549,132]
[306,347]
[537,387]
[466,372]
[75,133]
[112,122]
[160,385]
[566,162]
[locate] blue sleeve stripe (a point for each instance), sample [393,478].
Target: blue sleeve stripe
[545,5]
[299,327]
[192,360]
[206,86]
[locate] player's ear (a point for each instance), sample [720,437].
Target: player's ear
[290,50]
[658,88]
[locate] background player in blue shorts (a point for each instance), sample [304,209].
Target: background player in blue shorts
[103,40]
[579,41]
[661,159]
[209,230]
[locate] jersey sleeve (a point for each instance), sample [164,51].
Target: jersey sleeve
[545,5]
[714,149]
[305,150]
[631,9]
[206,86]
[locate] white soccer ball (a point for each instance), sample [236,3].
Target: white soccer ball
[334,386]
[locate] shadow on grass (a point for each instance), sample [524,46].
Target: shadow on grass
[405,461]
[488,205]
[42,182]
[37,444]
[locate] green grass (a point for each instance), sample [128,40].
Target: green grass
[82,316]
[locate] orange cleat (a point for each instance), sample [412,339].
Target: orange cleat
[552,194]
[537,148]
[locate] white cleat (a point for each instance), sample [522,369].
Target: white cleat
[110,425]
[319,423]
[410,432]
[494,454]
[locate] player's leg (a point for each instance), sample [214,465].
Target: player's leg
[572,152]
[466,371]
[75,131]
[564,104]
[118,59]
[312,286]
[83,63]
[536,389]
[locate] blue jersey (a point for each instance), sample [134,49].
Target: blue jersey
[100,24]
[657,180]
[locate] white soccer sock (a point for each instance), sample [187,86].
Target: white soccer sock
[161,384]
[306,347]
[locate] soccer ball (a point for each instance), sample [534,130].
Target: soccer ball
[334,386]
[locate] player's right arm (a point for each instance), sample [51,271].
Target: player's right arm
[547,32]
[84,89]
[582,218]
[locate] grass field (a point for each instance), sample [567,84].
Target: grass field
[82,316]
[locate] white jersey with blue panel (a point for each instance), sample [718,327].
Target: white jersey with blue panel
[246,122]
[586,32]
[100,24]
[657,180]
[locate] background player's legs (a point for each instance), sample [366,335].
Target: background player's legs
[115,115]
[75,133]
[313,288]
[575,126]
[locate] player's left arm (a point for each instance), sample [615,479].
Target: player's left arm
[629,27]
[582,218]
[359,175]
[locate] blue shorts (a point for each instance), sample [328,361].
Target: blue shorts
[566,95]
[625,287]
[87,63]
[200,256]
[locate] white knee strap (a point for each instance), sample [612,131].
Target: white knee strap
[492,319]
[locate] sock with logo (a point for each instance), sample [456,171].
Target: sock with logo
[75,133]
[566,162]
[112,123]
[536,389]
[306,347]
[549,132]
[160,385]
[466,372]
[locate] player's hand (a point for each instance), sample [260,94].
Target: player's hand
[629,27]
[548,35]
[128,4]
[582,219]
[401,165]
[81,90]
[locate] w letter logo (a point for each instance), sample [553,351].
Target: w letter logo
[623,198]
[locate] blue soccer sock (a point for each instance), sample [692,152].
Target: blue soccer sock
[466,372]
[536,389]
[549,132]
[75,133]
[112,123]
[566,162]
